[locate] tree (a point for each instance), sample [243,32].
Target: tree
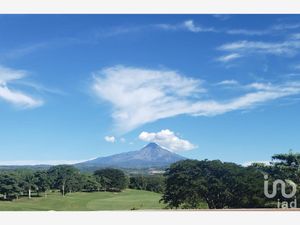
[180,186]
[153,183]
[138,182]
[284,166]
[42,181]
[90,183]
[66,178]
[287,166]
[111,179]
[9,186]
[189,183]
[29,183]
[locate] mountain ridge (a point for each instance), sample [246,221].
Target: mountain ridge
[151,155]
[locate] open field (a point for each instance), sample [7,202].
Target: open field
[82,201]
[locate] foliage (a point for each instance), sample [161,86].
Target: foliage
[153,183]
[90,183]
[66,178]
[284,166]
[111,179]
[9,187]
[220,185]
[28,183]
[42,181]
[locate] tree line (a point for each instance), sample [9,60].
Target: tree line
[65,178]
[220,185]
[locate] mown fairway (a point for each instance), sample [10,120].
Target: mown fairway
[126,200]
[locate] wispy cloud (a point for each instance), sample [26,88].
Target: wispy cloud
[168,139]
[30,48]
[120,30]
[295,36]
[285,26]
[228,82]
[222,17]
[139,96]
[274,29]
[188,25]
[192,26]
[22,51]
[285,48]
[15,97]
[40,87]
[229,57]
[96,35]
[247,32]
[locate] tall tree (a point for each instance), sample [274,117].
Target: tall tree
[287,165]
[189,183]
[111,179]
[90,183]
[66,178]
[9,186]
[153,183]
[42,181]
[29,183]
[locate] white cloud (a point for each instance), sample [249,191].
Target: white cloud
[261,86]
[139,96]
[248,32]
[187,25]
[110,139]
[228,82]
[123,140]
[249,100]
[268,30]
[7,74]
[190,25]
[287,48]
[12,96]
[167,138]
[229,57]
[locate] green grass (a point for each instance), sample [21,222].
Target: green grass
[125,200]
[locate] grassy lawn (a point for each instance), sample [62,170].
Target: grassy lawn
[81,201]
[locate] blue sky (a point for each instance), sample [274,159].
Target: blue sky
[75,87]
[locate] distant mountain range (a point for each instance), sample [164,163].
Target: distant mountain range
[152,155]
